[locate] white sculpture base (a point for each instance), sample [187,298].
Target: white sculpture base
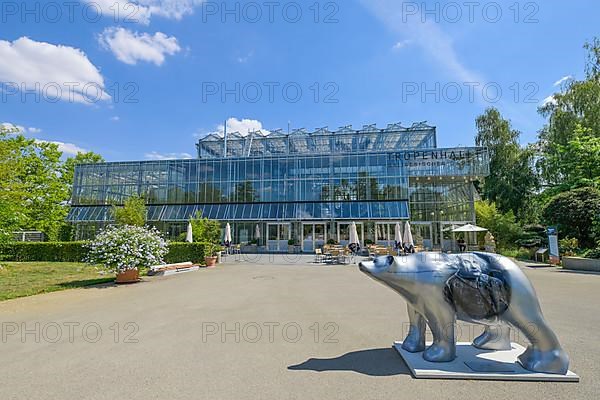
[476,364]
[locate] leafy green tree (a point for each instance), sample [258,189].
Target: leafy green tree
[574,212]
[205,230]
[578,161]
[132,213]
[502,225]
[32,193]
[573,120]
[10,215]
[512,178]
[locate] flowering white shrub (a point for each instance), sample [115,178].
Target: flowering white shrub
[123,248]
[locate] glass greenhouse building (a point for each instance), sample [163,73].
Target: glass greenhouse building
[307,187]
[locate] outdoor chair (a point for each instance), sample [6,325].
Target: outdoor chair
[318,255]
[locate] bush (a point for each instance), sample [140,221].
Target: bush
[568,246]
[205,230]
[124,248]
[43,251]
[77,252]
[521,254]
[593,253]
[503,226]
[574,213]
[184,252]
[132,213]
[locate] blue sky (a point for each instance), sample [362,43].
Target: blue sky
[157,83]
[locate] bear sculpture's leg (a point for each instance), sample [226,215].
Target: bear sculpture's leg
[494,337]
[441,320]
[415,340]
[544,354]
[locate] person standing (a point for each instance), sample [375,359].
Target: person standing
[462,246]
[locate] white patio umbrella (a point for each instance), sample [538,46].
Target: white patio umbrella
[257,232]
[189,236]
[228,240]
[354,242]
[408,238]
[398,236]
[470,228]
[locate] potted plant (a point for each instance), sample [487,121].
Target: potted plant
[125,249]
[210,254]
[292,243]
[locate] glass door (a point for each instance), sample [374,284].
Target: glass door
[320,235]
[313,236]
[343,231]
[278,236]
[385,234]
[285,234]
[272,237]
[422,234]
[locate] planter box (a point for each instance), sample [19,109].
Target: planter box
[581,264]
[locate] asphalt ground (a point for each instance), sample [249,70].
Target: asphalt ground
[263,328]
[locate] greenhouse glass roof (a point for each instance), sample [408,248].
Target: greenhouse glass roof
[344,140]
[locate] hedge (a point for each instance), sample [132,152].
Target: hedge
[183,252]
[76,252]
[43,251]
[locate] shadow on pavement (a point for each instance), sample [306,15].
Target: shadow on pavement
[373,362]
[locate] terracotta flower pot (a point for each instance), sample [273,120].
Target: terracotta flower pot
[210,261]
[129,276]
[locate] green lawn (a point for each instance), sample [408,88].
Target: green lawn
[19,279]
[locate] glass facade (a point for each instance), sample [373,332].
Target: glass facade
[287,183]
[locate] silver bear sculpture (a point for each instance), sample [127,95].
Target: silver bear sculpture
[482,288]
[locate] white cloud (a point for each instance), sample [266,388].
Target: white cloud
[131,47]
[549,100]
[141,11]
[242,126]
[167,156]
[65,148]
[430,37]
[401,44]
[12,128]
[115,118]
[20,129]
[563,80]
[54,71]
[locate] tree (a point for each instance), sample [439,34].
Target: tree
[573,115]
[132,213]
[577,163]
[574,213]
[512,178]
[205,230]
[503,226]
[32,194]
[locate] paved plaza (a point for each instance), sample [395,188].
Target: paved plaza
[267,327]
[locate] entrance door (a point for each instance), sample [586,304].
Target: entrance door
[343,231]
[278,236]
[422,234]
[313,236]
[385,233]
